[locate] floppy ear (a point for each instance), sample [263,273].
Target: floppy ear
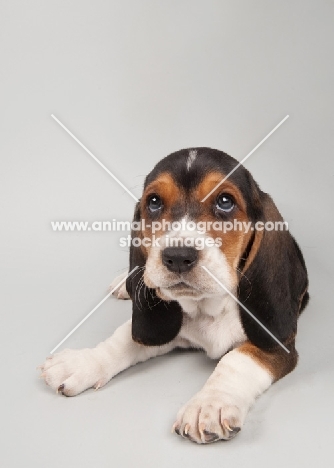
[154,321]
[273,283]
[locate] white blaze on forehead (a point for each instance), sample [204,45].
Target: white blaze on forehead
[191,158]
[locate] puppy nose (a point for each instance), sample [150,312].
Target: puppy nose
[179,259]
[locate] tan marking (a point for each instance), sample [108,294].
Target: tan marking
[169,192]
[301,298]
[165,187]
[210,181]
[254,249]
[278,362]
[234,242]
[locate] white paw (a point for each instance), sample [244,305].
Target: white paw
[74,370]
[209,417]
[120,292]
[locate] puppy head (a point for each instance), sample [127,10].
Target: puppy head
[188,233]
[181,233]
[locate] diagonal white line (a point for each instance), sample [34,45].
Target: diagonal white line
[95,158]
[92,311]
[246,157]
[246,310]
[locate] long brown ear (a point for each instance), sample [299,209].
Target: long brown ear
[273,283]
[154,322]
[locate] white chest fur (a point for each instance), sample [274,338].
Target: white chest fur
[212,324]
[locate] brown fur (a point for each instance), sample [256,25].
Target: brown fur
[165,187]
[234,242]
[278,362]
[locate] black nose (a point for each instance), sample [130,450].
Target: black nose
[179,259]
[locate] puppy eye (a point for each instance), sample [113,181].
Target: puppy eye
[154,203]
[225,203]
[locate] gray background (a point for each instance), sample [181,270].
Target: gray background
[135,81]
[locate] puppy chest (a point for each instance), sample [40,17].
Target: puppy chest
[215,335]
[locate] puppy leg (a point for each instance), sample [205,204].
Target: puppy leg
[120,292]
[72,371]
[218,411]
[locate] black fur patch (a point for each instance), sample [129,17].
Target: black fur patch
[273,287]
[154,321]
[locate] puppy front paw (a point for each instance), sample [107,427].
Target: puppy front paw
[120,292]
[207,418]
[74,370]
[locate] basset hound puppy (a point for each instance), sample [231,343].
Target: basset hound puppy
[211,295]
